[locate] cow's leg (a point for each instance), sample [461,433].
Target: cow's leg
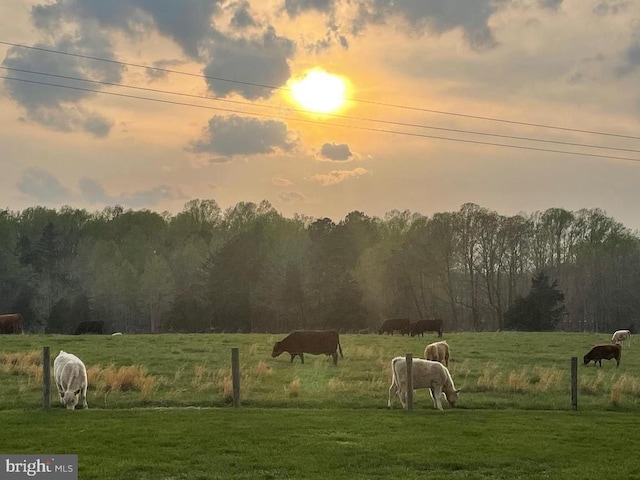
[301,357]
[84,396]
[403,396]
[335,358]
[60,392]
[293,355]
[436,393]
[393,390]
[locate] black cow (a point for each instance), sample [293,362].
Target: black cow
[603,352]
[93,326]
[422,326]
[402,325]
[315,342]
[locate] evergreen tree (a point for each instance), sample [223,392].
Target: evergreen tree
[541,310]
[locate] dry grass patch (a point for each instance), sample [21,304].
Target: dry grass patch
[122,379]
[23,363]
[294,388]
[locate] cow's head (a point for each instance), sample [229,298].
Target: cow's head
[452,397]
[586,360]
[277,349]
[70,398]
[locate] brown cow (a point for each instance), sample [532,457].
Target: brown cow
[603,352]
[315,342]
[11,323]
[422,326]
[402,325]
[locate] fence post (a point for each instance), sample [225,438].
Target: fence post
[46,378]
[574,383]
[235,375]
[409,361]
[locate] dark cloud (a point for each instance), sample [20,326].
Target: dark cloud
[436,17]
[336,151]
[42,186]
[262,60]
[234,135]
[291,197]
[187,22]
[57,107]
[631,58]
[610,7]
[242,17]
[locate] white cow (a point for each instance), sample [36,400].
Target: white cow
[71,379]
[619,336]
[438,352]
[426,374]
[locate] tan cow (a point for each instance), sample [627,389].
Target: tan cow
[425,374]
[619,336]
[438,352]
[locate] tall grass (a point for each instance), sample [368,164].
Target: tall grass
[493,370]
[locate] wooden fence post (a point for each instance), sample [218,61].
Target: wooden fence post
[46,378]
[235,375]
[409,360]
[574,383]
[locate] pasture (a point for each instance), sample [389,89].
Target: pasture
[160,408]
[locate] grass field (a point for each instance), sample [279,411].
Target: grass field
[159,409]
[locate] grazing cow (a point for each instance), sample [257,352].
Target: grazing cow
[422,326]
[71,379]
[314,342]
[426,374]
[438,352]
[11,323]
[402,325]
[603,352]
[619,336]
[93,326]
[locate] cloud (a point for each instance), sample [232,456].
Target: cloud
[234,135]
[58,107]
[261,60]
[296,7]
[552,4]
[291,197]
[610,7]
[338,176]
[93,192]
[187,22]
[281,181]
[242,17]
[436,17]
[631,58]
[42,186]
[336,151]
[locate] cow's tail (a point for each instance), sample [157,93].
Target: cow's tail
[340,349]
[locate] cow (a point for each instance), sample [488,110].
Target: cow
[11,323]
[422,326]
[91,326]
[70,375]
[315,342]
[438,352]
[619,336]
[425,374]
[402,325]
[604,352]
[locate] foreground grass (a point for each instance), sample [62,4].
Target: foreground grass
[494,370]
[253,443]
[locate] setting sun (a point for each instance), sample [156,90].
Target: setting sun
[319,91]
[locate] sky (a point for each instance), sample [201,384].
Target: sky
[448,102]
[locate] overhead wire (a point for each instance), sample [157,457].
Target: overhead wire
[371,102]
[332,115]
[357,127]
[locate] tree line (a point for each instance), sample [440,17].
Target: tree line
[249,269]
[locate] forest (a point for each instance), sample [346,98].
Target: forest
[249,269]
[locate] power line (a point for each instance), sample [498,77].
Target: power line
[356,127]
[369,102]
[344,117]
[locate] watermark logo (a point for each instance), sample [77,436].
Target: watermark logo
[38,467]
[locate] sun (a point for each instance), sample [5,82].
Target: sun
[319,91]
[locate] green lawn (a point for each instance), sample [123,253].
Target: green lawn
[317,420]
[276,443]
